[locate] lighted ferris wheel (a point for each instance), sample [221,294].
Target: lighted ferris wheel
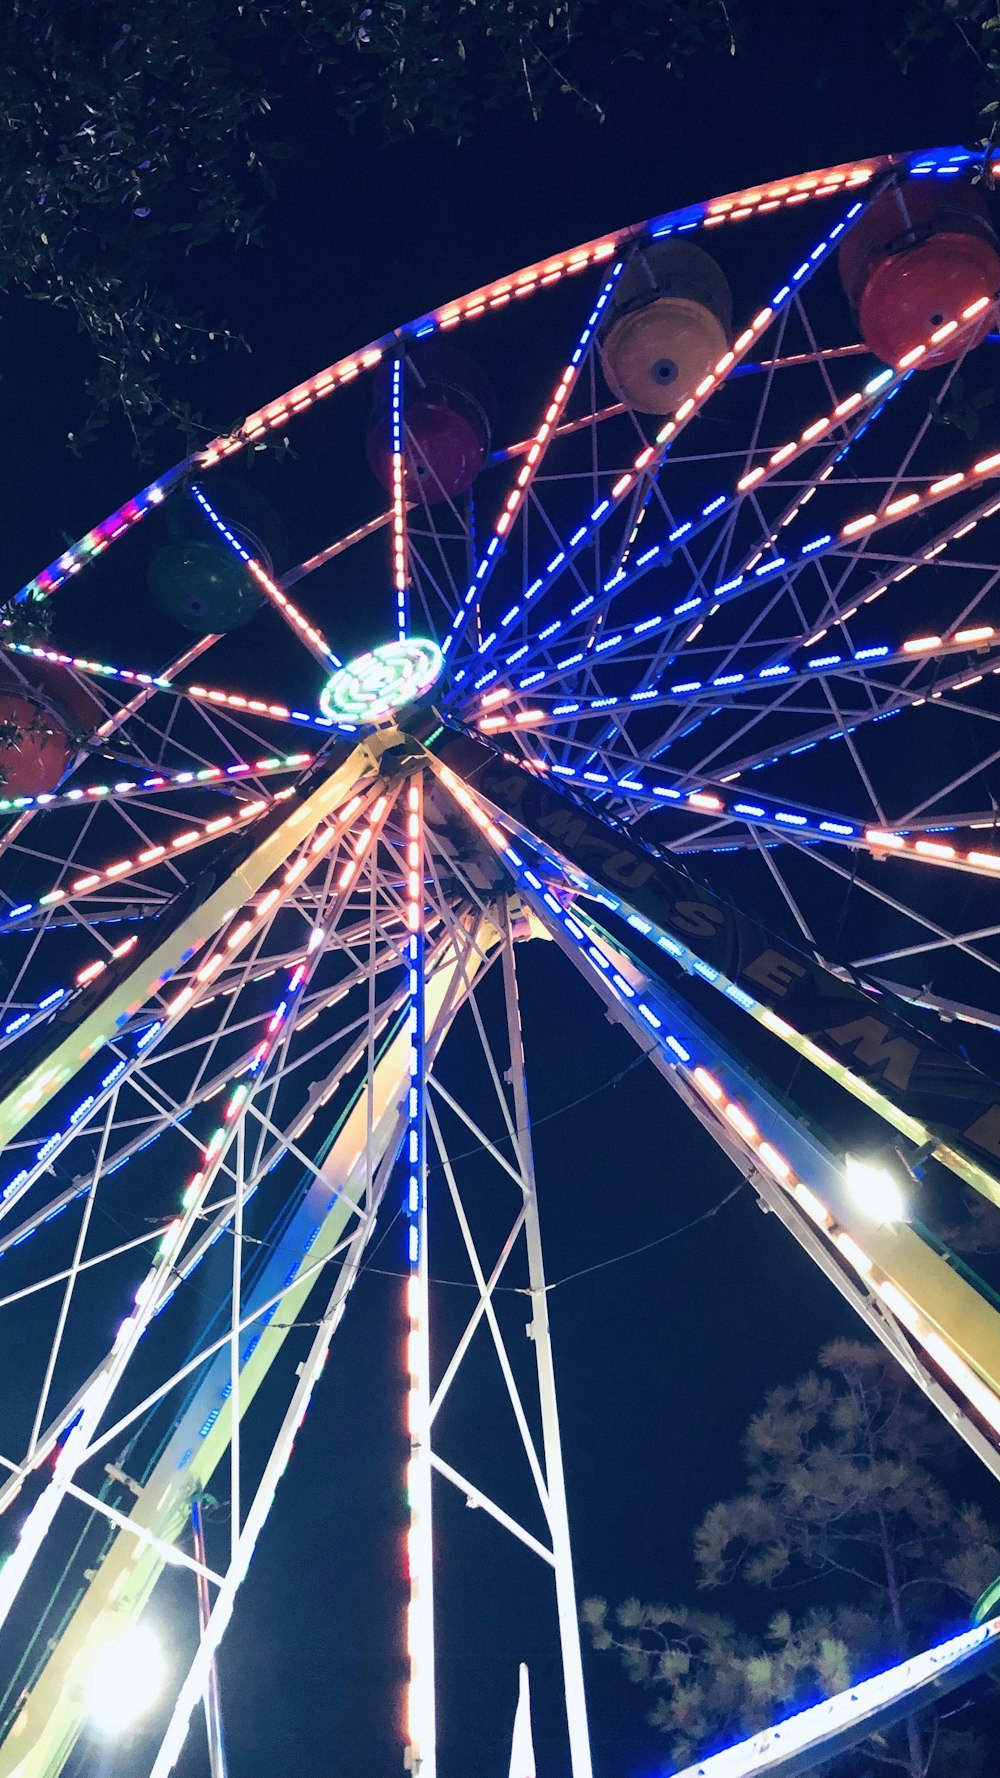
[644,624]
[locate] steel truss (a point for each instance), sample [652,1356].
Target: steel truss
[245,963]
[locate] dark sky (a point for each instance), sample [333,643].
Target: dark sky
[663,1357]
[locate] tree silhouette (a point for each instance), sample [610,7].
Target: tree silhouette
[847,1501]
[135,134]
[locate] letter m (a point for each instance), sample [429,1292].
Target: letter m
[866,1039]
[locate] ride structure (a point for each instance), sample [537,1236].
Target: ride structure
[628,689]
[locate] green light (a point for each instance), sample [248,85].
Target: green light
[377,684]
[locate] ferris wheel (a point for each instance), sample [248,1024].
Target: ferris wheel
[677,650]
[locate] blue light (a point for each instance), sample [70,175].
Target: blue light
[741,998]
[806,1732]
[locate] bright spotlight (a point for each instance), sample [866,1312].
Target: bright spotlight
[124,1679]
[874,1190]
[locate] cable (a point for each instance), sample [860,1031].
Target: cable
[584,1272]
[616,1258]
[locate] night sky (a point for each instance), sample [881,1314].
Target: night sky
[663,1356]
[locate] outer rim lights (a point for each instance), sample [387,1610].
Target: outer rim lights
[376,685]
[124,1679]
[874,1191]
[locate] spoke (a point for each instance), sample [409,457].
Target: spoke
[640,612]
[400,553]
[421,1722]
[535,455]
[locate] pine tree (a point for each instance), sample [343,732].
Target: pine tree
[847,1504]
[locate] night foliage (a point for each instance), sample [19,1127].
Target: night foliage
[847,1506]
[133,136]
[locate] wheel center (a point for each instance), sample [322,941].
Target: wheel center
[374,686]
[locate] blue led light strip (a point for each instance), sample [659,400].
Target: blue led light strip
[719,803]
[294,989]
[806,825]
[29,1018]
[725,685]
[942,162]
[886,385]
[183,1268]
[865,405]
[189,994]
[860,1087]
[525,474]
[661,555]
[656,624]
[648,460]
[648,1009]
[835,731]
[313,638]
[80,554]
[854,1714]
[241,702]
[828,544]
[209,777]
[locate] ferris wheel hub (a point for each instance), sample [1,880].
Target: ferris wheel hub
[375,685]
